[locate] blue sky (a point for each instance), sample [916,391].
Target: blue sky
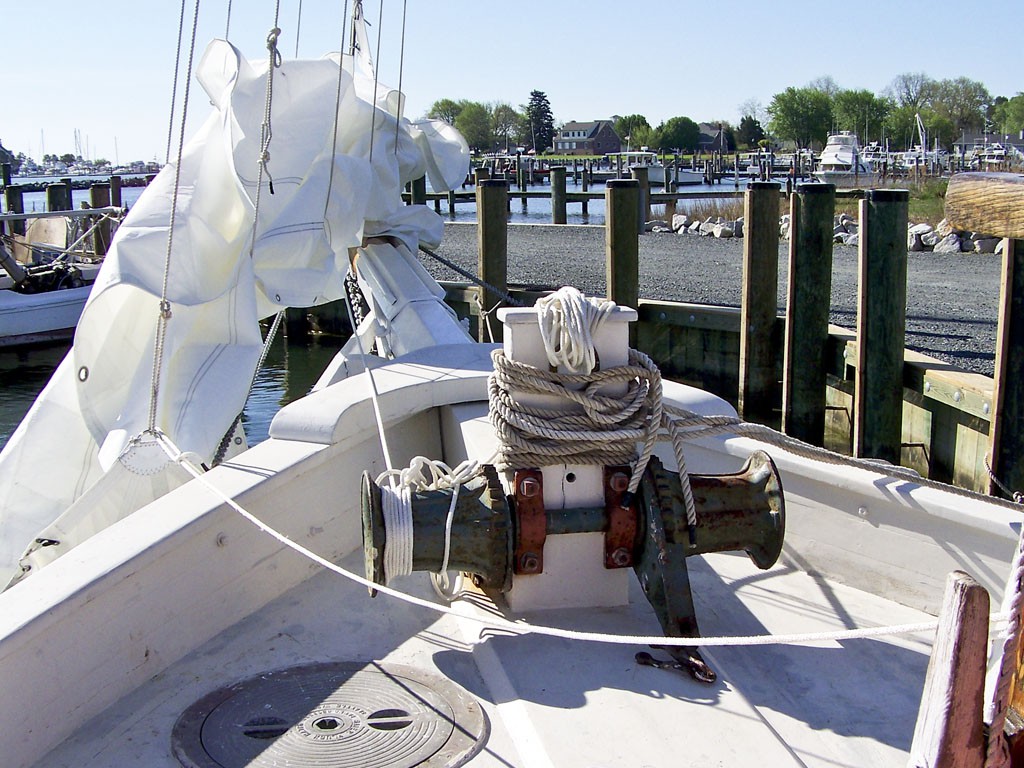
[106,68]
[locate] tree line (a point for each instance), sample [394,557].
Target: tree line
[948,110]
[500,126]
[804,116]
[487,127]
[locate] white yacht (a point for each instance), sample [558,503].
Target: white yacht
[842,163]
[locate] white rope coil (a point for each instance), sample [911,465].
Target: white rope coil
[396,490]
[568,321]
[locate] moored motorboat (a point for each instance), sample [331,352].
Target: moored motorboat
[841,162]
[43,294]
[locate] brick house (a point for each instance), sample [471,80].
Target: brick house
[594,138]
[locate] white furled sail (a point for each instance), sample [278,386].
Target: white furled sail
[75,464]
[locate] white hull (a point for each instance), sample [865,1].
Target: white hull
[30,318]
[101,651]
[847,178]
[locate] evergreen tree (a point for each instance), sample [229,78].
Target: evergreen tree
[542,122]
[750,131]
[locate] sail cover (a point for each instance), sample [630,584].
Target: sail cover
[338,158]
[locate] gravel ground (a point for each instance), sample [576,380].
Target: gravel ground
[951,299]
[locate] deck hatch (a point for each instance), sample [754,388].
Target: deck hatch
[333,714]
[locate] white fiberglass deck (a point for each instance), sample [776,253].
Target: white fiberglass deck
[555,702]
[101,651]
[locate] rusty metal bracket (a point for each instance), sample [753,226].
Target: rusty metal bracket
[531,522]
[620,538]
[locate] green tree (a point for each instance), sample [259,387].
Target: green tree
[901,126]
[474,123]
[445,109]
[749,131]
[634,130]
[504,123]
[1008,116]
[67,158]
[541,121]
[861,112]
[678,133]
[801,114]
[962,102]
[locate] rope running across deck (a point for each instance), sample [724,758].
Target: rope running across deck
[188,462]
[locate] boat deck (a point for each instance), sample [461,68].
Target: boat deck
[551,701]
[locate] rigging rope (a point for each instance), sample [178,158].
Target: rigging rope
[1017,496]
[373,123]
[337,106]
[507,298]
[165,306]
[225,441]
[997,753]
[174,86]
[401,71]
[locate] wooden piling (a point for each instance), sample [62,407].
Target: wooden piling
[881,325]
[641,174]
[758,383]
[14,201]
[621,241]
[585,184]
[480,174]
[99,197]
[418,191]
[58,197]
[807,309]
[950,731]
[557,177]
[5,174]
[115,191]
[492,250]
[1006,437]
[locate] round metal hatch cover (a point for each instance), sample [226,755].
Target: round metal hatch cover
[341,715]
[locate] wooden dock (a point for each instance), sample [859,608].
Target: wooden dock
[856,391]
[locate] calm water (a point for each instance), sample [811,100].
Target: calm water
[289,372]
